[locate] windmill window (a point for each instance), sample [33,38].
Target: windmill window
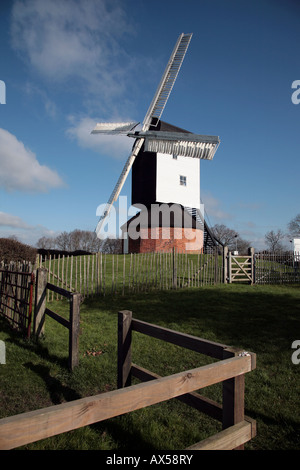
[182,180]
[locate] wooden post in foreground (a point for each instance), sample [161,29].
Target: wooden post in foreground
[233,396]
[40,301]
[74,330]
[124,348]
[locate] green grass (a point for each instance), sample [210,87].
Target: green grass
[261,319]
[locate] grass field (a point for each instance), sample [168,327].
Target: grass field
[261,319]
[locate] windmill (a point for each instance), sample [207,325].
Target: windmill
[158,142]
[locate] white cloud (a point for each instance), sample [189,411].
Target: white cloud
[12,225]
[108,145]
[213,208]
[20,169]
[74,39]
[12,221]
[49,105]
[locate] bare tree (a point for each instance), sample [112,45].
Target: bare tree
[62,241]
[78,240]
[111,245]
[75,240]
[230,238]
[85,240]
[224,234]
[46,243]
[294,226]
[243,245]
[274,240]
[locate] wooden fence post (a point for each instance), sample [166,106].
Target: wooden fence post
[216,268]
[229,268]
[233,396]
[225,264]
[124,348]
[74,330]
[251,252]
[40,301]
[174,269]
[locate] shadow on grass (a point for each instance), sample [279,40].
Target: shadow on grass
[57,391]
[243,316]
[32,345]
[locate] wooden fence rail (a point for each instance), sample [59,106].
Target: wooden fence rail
[25,428]
[231,414]
[40,312]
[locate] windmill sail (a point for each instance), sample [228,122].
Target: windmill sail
[167,81]
[155,111]
[114,127]
[115,194]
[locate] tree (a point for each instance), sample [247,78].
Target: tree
[112,245]
[242,245]
[230,238]
[62,241]
[224,234]
[294,226]
[46,243]
[273,240]
[84,240]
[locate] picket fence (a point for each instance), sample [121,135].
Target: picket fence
[102,274]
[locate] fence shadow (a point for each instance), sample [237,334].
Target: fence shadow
[57,391]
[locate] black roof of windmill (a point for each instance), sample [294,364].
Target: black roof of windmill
[155,135]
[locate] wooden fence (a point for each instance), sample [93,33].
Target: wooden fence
[231,414]
[106,274]
[103,274]
[40,312]
[22,429]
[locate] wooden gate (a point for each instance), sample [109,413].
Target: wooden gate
[16,291]
[240,268]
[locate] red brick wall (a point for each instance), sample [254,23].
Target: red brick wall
[164,239]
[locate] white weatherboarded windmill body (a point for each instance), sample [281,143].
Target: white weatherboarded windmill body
[165,164]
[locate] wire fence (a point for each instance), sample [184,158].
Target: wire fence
[277,268]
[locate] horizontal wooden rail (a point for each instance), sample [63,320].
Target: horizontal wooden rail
[59,290]
[200,345]
[29,427]
[229,438]
[57,318]
[201,403]
[23,273]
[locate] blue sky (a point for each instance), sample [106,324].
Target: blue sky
[69,64]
